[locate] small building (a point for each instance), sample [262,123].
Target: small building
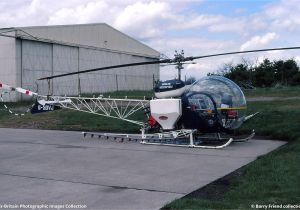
[29,53]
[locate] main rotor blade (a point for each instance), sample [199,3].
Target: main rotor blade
[168,61]
[108,67]
[246,51]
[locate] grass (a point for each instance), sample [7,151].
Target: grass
[70,120]
[274,92]
[74,120]
[87,122]
[273,178]
[277,119]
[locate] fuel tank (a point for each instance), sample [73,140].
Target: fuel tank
[169,89]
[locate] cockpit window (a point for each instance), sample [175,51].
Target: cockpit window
[229,98]
[200,102]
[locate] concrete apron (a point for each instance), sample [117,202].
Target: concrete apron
[62,168]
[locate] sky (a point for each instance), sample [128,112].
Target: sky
[199,27]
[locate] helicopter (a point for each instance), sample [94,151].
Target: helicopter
[195,115]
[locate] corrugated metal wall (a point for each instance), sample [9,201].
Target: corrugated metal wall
[99,35]
[39,59]
[8,68]
[8,61]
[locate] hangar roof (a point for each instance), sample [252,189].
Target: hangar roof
[99,36]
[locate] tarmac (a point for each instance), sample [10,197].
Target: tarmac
[61,169]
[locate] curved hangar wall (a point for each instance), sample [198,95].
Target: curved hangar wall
[50,50]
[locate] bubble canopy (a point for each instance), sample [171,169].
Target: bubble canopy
[222,96]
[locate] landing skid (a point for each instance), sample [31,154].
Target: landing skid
[218,137]
[246,138]
[179,138]
[191,144]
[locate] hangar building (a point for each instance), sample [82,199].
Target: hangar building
[29,53]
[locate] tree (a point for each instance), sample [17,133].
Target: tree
[285,71]
[265,74]
[296,79]
[239,73]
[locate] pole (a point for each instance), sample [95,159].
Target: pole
[117,82]
[79,86]
[153,81]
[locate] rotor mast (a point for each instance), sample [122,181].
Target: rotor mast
[178,59]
